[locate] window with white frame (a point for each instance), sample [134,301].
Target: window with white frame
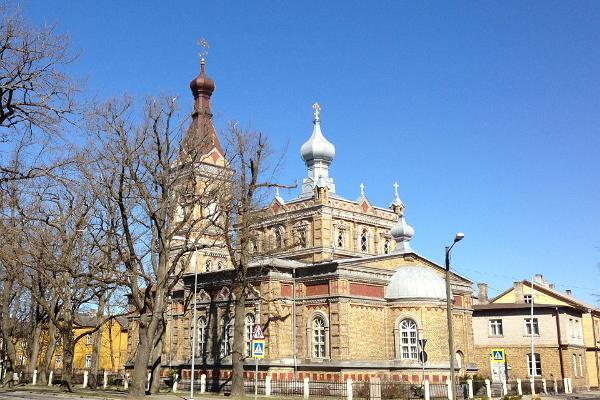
[249,329]
[207,265]
[57,362]
[577,328]
[341,238]
[534,366]
[496,327]
[319,348]
[88,361]
[225,336]
[408,339]
[364,241]
[574,359]
[528,298]
[580,365]
[386,246]
[88,339]
[571,327]
[202,335]
[531,328]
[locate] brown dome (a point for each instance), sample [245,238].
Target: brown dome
[202,84]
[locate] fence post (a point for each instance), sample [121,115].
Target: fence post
[532,382]
[306,388]
[349,388]
[570,385]
[544,386]
[85,379]
[175,383]
[268,386]
[148,381]
[50,378]
[470,384]
[519,387]
[504,387]
[34,379]
[105,382]
[426,388]
[126,381]
[203,383]
[555,386]
[488,389]
[449,386]
[375,388]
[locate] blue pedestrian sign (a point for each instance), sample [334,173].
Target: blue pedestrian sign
[498,355]
[258,348]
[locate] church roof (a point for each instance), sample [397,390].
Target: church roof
[416,282]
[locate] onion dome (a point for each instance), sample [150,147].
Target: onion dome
[317,148]
[416,283]
[402,234]
[202,85]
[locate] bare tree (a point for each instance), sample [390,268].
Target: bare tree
[157,193]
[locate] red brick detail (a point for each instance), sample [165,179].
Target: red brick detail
[427,377]
[436,378]
[444,378]
[345,376]
[286,290]
[301,376]
[395,378]
[415,378]
[405,378]
[281,376]
[275,207]
[317,289]
[361,289]
[353,377]
[290,375]
[215,156]
[364,206]
[458,301]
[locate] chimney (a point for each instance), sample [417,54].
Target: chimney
[569,292]
[519,295]
[483,293]
[539,279]
[551,286]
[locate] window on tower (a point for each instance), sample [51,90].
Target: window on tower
[364,241]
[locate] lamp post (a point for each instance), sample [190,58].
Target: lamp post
[459,236]
[194,323]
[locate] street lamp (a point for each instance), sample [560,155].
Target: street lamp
[459,236]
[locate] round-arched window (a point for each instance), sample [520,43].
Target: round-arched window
[408,339]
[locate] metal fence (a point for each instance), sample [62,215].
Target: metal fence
[287,388]
[334,389]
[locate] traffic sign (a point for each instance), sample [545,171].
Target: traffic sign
[258,332]
[498,355]
[258,348]
[423,356]
[422,343]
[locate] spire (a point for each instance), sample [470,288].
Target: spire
[401,231]
[317,153]
[362,190]
[278,197]
[201,136]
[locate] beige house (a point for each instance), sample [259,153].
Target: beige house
[566,338]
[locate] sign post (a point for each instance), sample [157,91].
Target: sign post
[257,351]
[498,355]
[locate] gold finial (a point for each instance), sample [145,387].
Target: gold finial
[203,43]
[317,109]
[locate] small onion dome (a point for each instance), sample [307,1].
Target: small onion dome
[416,283]
[317,148]
[202,84]
[402,234]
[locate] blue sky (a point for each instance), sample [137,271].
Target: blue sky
[486,113]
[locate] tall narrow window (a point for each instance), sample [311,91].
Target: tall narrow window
[88,361]
[340,238]
[279,241]
[207,266]
[531,328]
[459,361]
[220,265]
[534,367]
[302,242]
[225,336]
[580,365]
[496,327]
[249,329]
[408,339]
[574,365]
[364,241]
[88,339]
[386,246]
[318,336]
[202,335]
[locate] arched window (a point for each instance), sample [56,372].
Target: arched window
[408,339]
[279,238]
[364,241]
[386,246]
[220,265]
[318,337]
[459,361]
[202,335]
[249,329]
[225,336]
[207,266]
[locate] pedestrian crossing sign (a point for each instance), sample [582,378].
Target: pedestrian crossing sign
[498,355]
[258,348]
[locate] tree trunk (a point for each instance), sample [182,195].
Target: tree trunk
[137,389]
[8,332]
[45,367]
[68,352]
[35,348]
[110,345]
[157,360]
[93,381]
[239,338]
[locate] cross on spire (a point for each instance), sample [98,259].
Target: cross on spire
[317,109]
[203,43]
[396,189]
[362,190]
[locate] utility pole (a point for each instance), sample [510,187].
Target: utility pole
[449,300]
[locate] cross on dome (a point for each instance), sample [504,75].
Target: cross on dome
[317,112]
[203,43]
[362,190]
[396,189]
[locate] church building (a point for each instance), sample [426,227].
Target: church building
[336,285]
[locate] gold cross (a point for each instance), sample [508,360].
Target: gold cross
[317,109]
[203,43]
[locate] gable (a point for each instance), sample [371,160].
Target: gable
[541,296]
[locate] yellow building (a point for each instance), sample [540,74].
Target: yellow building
[566,332]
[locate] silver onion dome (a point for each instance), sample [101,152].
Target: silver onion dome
[317,148]
[402,234]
